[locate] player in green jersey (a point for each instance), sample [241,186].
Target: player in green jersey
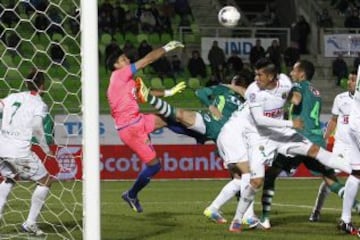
[221,101]
[306,104]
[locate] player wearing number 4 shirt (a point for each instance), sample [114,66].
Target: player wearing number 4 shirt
[23,115]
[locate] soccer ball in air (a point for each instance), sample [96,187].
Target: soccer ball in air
[229,16]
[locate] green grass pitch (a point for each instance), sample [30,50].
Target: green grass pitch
[173,210]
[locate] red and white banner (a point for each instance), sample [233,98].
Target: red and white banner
[119,162]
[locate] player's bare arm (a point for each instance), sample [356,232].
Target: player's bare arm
[331,126]
[296,98]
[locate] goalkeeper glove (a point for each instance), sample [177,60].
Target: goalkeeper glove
[172,45]
[177,89]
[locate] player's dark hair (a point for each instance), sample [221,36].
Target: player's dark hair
[308,68]
[244,78]
[267,65]
[353,72]
[112,59]
[35,79]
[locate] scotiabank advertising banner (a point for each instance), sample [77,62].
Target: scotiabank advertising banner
[119,162]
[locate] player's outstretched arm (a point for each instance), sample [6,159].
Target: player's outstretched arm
[157,53]
[205,95]
[257,114]
[331,126]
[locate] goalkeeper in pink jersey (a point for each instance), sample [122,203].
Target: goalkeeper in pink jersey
[132,126]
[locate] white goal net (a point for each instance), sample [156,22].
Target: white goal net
[45,34]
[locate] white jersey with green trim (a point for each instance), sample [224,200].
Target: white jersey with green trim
[18,112]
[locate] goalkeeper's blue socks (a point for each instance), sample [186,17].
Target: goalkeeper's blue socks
[143,179]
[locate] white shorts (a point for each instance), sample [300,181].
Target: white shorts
[29,167]
[342,148]
[199,125]
[354,151]
[231,145]
[262,150]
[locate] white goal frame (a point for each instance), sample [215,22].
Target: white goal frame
[90,109]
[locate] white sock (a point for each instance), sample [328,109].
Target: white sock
[333,161]
[250,211]
[247,197]
[5,189]
[322,194]
[228,191]
[351,189]
[37,202]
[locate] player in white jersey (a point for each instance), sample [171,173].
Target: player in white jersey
[232,146]
[23,115]
[353,181]
[338,123]
[261,126]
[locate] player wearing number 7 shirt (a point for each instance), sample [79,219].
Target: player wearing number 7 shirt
[23,115]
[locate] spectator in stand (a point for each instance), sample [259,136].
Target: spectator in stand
[105,23]
[213,80]
[118,17]
[217,59]
[8,16]
[41,22]
[324,20]
[353,21]
[165,24]
[184,57]
[302,31]
[291,56]
[234,64]
[176,65]
[130,51]
[155,12]
[196,65]
[185,23]
[256,52]
[182,8]
[274,54]
[55,22]
[112,47]
[342,6]
[131,23]
[144,48]
[106,8]
[147,22]
[12,41]
[162,67]
[57,54]
[339,69]
[356,61]
[75,22]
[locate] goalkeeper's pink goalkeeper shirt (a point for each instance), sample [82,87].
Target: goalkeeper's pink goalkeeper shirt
[122,98]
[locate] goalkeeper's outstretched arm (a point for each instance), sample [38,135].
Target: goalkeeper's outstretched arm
[157,53]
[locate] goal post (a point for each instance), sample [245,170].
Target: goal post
[90,109]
